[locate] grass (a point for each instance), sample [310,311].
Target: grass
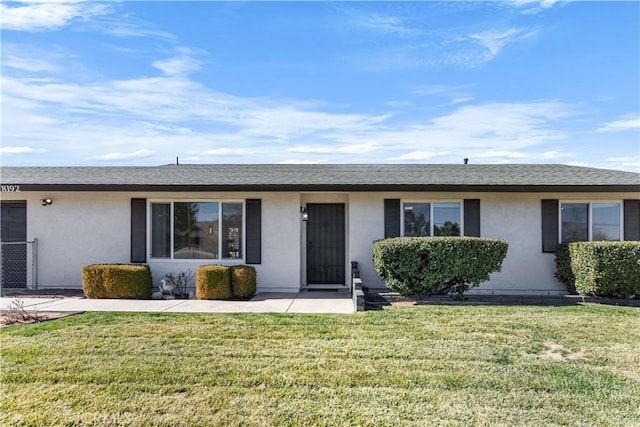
[425,365]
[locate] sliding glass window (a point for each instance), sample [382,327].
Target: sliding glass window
[194,230]
[583,222]
[432,219]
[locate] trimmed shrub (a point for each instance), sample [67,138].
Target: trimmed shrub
[131,281]
[606,269]
[243,281]
[213,282]
[563,268]
[437,265]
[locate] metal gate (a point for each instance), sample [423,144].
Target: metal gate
[19,266]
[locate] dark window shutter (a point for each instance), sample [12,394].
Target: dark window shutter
[391,218]
[472,217]
[632,220]
[138,230]
[254,231]
[550,220]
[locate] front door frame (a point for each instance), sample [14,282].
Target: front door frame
[311,253]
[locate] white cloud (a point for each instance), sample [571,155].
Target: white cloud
[21,150]
[552,155]
[495,41]
[224,152]
[398,104]
[33,63]
[302,162]
[502,154]
[510,156]
[47,16]
[630,163]
[139,154]
[420,155]
[446,49]
[182,64]
[387,24]
[461,100]
[626,123]
[328,149]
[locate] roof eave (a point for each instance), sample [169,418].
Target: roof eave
[481,188]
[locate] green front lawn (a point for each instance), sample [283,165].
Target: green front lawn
[426,365]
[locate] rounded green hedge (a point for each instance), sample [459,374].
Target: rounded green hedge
[117,281]
[603,269]
[437,265]
[243,281]
[213,282]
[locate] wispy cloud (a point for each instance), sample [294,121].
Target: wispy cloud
[531,7]
[182,64]
[387,24]
[628,122]
[48,16]
[227,152]
[502,154]
[366,147]
[21,150]
[30,58]
[494,41]
[302,162]
[420,156]
[509,156]
[139,154]
[459,50]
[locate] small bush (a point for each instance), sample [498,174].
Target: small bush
[437,265]
[117,281]
[606,269]
[243,281]
[213,282]
[563,268]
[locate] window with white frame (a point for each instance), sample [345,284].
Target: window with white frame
[196,230]
[432,219]
[587,221]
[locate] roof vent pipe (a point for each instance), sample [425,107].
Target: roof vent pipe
[466,161]
[177,161]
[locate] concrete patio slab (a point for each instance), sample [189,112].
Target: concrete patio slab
[262,303]
[303,302]
[27,303]
[322,302]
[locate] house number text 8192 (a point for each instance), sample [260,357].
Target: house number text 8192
[10,188]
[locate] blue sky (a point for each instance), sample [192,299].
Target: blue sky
[139,83]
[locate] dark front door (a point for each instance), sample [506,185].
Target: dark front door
[13,234]
[325,244]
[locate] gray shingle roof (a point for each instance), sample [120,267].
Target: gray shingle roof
[363,177]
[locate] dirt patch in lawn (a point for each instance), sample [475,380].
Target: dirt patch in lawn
[16,314]
[558,353]
[6,319]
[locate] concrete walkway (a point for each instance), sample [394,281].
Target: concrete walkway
[302,302]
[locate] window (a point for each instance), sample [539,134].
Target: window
[432,219]
[197,230]
[583,221]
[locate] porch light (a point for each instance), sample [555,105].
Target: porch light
[304,213]
[46,202]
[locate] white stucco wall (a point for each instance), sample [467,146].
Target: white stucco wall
[82,228]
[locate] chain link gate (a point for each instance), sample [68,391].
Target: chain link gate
[19,269]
